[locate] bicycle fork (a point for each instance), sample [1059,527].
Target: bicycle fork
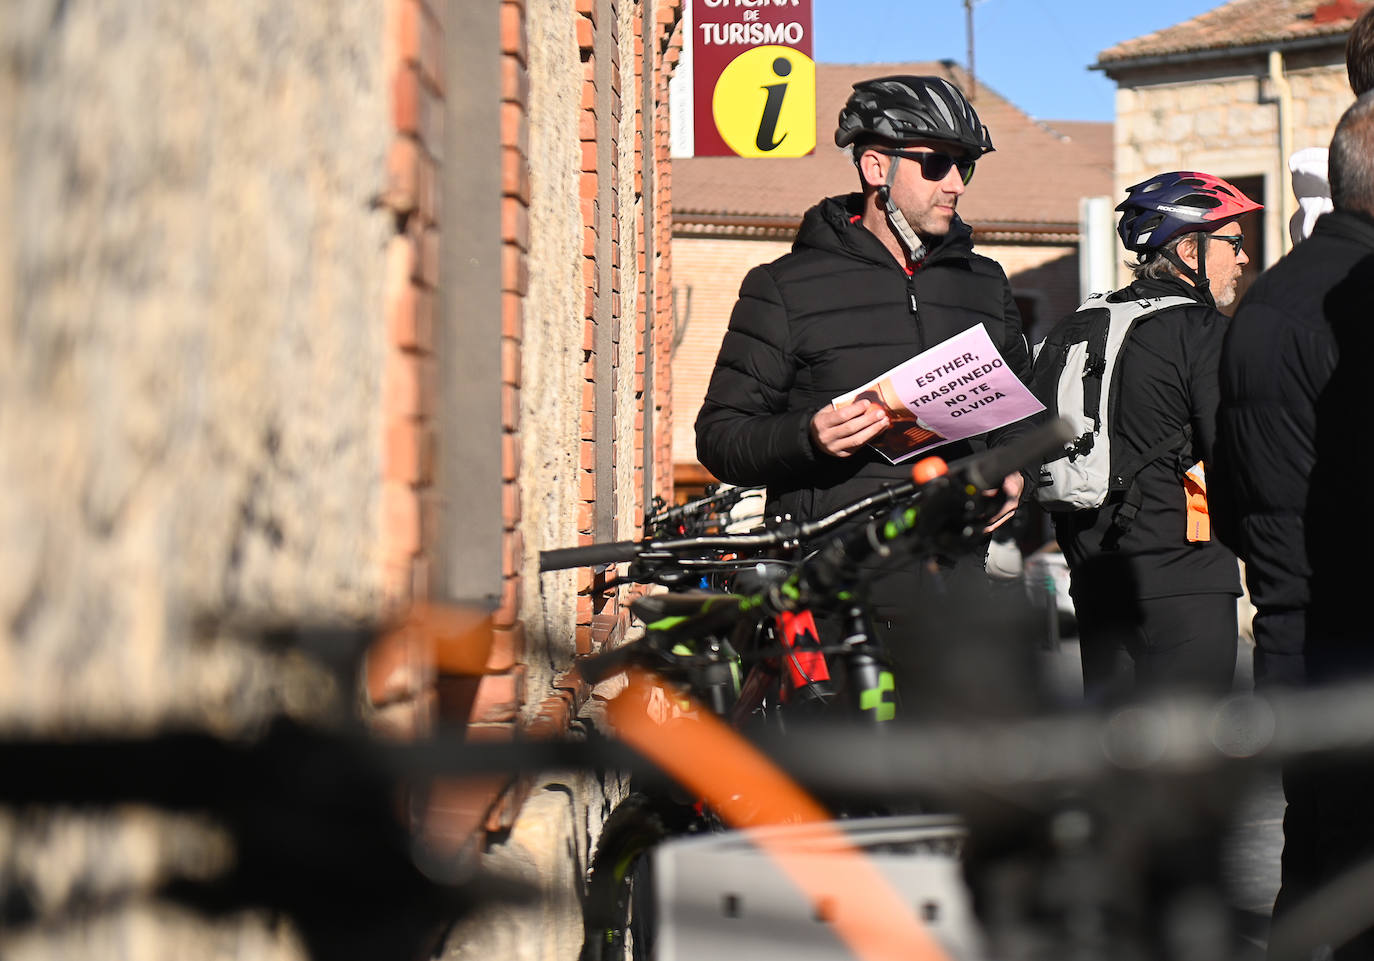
[872,688]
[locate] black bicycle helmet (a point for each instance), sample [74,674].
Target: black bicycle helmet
[905,109]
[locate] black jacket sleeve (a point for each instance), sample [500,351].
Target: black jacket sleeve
[1272,374]
[1012,346]
[1203,391]
[746,433]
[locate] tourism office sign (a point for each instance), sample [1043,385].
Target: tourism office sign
[753,82]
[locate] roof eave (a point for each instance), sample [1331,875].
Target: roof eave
[773,227]
[1220,53]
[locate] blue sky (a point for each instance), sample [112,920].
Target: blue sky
[1035,53]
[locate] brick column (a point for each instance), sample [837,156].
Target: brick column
[401,669]
[502,691]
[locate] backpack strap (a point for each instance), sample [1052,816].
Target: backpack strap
[1095,363]
[1125,480]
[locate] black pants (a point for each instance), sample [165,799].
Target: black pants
[1131,646]
[1327,831]
[961,645]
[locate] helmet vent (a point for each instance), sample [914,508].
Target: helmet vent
[1199,200]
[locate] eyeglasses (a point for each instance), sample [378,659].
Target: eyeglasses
[934,165]
[1235,240]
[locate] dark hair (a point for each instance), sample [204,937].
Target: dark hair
[1359,53]
[1351,160]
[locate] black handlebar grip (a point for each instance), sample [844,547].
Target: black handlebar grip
[609,553]
[987,470]
[598,667]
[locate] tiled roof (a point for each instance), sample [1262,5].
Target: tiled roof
[1034,178]
[1240,23]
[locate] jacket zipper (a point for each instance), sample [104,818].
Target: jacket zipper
[915,310]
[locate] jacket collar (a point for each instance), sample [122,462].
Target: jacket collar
[1347,224]
[1147,287]
[830,226]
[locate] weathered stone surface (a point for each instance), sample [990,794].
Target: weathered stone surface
[552,347]
[548,849]
[191,287]
[629,486]
[189,415]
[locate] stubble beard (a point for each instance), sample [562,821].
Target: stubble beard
[933,221]
[1228,296]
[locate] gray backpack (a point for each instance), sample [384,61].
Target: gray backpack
[1075,376]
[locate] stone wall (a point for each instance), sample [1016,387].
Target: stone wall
[190,377]
[219,290]
[190,389]
[552,354]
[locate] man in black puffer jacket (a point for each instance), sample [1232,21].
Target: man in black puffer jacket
[873,279]
[1293,456]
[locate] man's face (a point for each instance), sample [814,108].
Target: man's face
[1224,263]
[928,205]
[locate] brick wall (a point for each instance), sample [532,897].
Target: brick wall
[401,669]
[586,390]
[707,273]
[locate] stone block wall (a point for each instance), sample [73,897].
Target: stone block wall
[194,273]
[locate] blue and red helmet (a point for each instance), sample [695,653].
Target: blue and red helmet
[1157,210]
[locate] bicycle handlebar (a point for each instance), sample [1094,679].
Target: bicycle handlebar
[982,471]
[722,500]
[948,512]
[610,553]
[986,470]
[668,549]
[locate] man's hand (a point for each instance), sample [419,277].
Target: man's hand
[1012,485]
[840,432]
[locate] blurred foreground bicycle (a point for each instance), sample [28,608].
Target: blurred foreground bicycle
[698,639]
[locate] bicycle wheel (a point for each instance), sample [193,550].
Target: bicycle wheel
[617,915]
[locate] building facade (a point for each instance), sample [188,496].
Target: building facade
[317,315]
[1234,92]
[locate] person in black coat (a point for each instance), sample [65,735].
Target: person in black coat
[873,279]
[1291,450]
[1155,595]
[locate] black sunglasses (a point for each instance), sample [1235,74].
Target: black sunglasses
[1235,240]
[934,165]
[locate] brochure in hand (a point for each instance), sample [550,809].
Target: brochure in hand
[956,389]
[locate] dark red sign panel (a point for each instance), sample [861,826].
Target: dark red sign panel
[754,87]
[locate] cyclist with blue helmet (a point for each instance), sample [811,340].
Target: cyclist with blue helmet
[1155,594]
